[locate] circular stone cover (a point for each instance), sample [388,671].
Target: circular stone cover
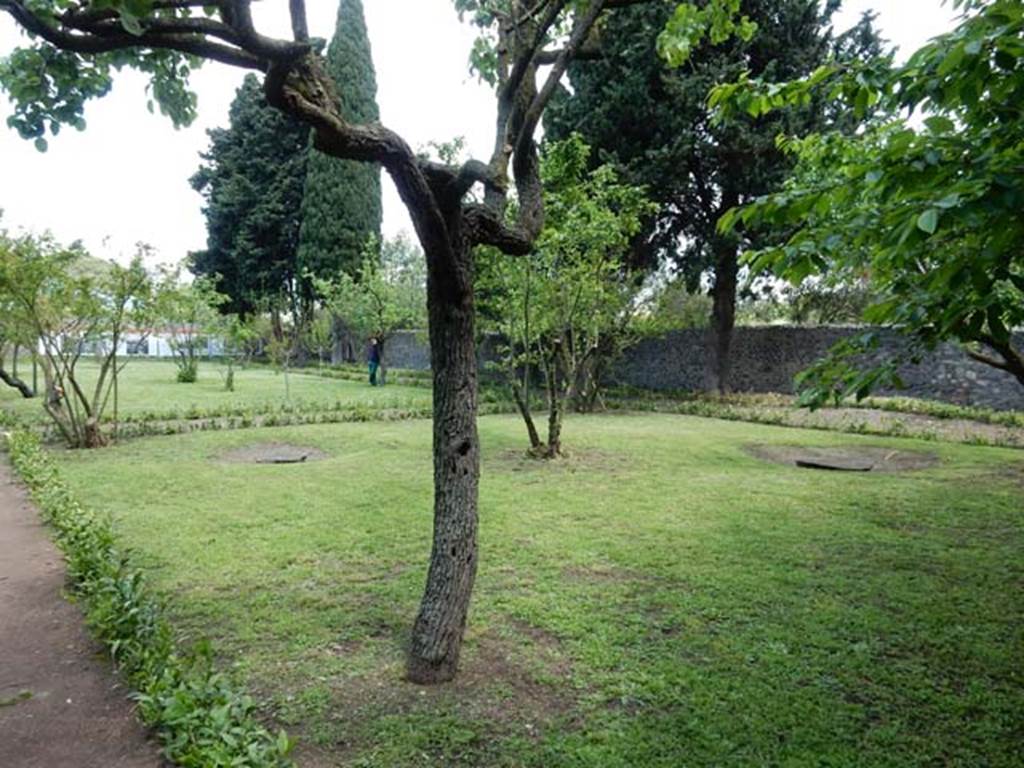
[273,453]
[846,458]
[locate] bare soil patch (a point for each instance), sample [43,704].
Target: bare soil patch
[515,676]
[851,458]
[272,453]
[571,461]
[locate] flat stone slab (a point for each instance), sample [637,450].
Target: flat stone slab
[847,458]
[272,453]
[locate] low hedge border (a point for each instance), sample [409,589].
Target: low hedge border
[201,717]
[781,417]
[273,418]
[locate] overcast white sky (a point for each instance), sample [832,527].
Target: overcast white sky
[125,179]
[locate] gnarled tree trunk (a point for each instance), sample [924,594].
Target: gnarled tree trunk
[448,224]
[437,633]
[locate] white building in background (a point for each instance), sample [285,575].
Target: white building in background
[157,344]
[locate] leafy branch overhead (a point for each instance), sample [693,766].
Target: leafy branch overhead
[924,200]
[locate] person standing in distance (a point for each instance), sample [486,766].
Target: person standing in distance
[373,354]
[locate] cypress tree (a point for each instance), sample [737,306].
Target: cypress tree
[252,180]
[341,209]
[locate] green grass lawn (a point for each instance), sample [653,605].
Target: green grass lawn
[660,598]
[149,386]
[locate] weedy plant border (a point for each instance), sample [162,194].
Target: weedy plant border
[202,718]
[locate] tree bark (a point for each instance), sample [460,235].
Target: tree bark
[524,411]
[13,381]
[93,436]
[723,315]
[437,633]
[11,378]
[725,250]
[1010,359]
[554,448]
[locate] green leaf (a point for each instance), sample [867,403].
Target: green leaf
[928,221]
[41,144]
[940,124]
[284,744]
[131,23]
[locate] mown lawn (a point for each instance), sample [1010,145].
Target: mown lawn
[149,387]
[660,598]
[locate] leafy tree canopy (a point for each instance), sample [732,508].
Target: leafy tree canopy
[650,117]
[70,313]
[924,201]
[388,292]
[568,308]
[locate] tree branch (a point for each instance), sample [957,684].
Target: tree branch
[304,89]
[190,25]
[589,52]
[1012,361]
[452,183]
[581,31]
[89,15]
[485,227]
[175,37]
[526,57]
[300,27]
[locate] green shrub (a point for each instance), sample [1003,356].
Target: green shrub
[188,373]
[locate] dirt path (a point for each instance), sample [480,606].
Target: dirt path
[61,706]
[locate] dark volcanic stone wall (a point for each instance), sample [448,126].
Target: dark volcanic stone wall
[766,359]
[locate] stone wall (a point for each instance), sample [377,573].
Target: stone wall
[411,350]
[408,349]
[766,359]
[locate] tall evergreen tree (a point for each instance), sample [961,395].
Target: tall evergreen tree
[341,209]
[654,122]
[252,178]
